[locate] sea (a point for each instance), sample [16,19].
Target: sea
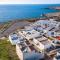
[24,11]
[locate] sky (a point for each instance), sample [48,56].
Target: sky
[29,1]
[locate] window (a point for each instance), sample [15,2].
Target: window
[28,33]
[52,33]
[50,48]
[31,39]
[58,42]
[37,44]
[14,38]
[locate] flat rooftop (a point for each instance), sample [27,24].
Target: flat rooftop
[41,38]
[45,42]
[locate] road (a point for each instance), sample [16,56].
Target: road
[14,27]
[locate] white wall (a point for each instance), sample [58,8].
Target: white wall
[19,52]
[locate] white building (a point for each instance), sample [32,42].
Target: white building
[29,27]
[14,39]
[29,34]
[58,33]
[24,53]
[42,23]
[44,45]
[51,33]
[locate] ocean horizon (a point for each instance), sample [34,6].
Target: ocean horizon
[23,11]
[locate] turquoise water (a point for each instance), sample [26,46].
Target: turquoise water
[12,12]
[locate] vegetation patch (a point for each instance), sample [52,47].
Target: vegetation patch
[7,51]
